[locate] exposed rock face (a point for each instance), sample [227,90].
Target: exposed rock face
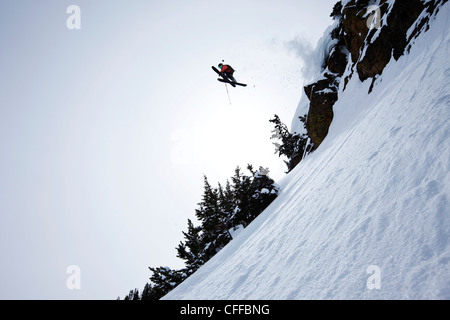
[369,34]
[372,47]
[322,95]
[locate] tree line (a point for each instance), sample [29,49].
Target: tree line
[222,210]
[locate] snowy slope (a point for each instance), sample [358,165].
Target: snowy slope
[370,206]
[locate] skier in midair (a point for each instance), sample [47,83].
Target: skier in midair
[227,71]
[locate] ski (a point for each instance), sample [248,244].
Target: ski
[216,70]
[232,83]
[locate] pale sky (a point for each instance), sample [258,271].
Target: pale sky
[106,131]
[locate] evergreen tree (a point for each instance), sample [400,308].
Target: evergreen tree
[263,191]
[133,295]
[226,203]
[253,194]
[241,188]
[292,144]
[214,222]
[191,249]
[147,293]
[165,280]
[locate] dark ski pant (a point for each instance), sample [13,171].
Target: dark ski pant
[229,76]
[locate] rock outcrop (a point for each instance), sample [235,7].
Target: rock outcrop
[368,35]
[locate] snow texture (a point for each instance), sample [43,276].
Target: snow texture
[372,201]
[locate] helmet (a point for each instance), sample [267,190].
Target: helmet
[220,65]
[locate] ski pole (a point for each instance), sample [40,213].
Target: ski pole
[228,94]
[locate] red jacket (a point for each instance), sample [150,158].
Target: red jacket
[226,69]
